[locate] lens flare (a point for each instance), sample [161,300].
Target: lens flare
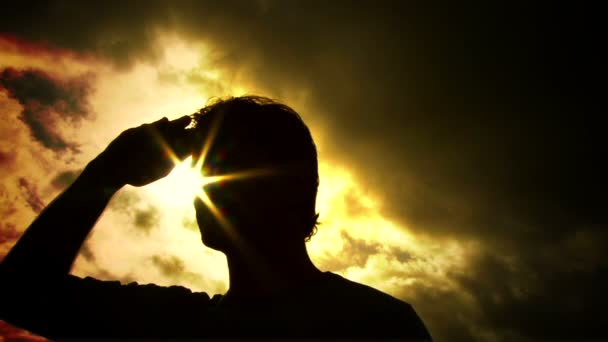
[187,180]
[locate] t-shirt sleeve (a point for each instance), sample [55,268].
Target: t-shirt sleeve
[90,308]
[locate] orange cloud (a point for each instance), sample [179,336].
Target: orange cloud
[47,99]
[11,44]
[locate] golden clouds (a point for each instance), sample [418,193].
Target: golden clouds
[356,240]
[21,54]
[145,235]
[350,216]
[456,123]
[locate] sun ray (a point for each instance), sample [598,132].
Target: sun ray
[207,144]
[189,180]
[215,211]
[242,246]
[190,175]
[237,176]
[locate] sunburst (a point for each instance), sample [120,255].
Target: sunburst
[188,180]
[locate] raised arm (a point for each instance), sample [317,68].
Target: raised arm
[137,157]
[50,244]
[36,290]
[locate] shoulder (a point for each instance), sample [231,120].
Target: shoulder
[363,294]
[133,309]
[74,307]
[133,290]
[374,309]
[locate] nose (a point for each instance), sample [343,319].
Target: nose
[198,203]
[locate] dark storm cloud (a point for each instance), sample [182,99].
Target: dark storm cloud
[86,252]
[125,201]
[478,122]
[30,193]
[356,252]
[448,315]
[174,268]
[146,219]
[64,179]
[45,100]
[455,105]
[528,296]
[7,158]
[8,233]
[169,266]
[8,229]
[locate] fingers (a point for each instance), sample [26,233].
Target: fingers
[183,145]
[156,124]
[172,134]
[173,127]
[182,122]
[178,137]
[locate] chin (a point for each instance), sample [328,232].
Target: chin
[212,243]
[213,237]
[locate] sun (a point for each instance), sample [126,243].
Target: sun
[180,187]
[187,180]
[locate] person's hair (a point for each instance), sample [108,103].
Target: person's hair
[269,134]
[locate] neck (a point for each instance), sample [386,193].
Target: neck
[268,270]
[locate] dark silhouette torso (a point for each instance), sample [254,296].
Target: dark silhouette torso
[331,306]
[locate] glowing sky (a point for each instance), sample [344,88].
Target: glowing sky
[440,183]
[155,225]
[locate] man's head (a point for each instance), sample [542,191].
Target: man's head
[270,147]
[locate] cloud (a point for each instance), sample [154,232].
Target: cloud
[170,266]
[96,270]
[190,223]
[146,219]
[449,315]
[7,159]
[46,101]
[124,201]
[86,252]
[42,50]
[10,211]
[175,271]
[64,179]
[30,193]
[354,253]
[8,235]
[514,295]
[10,333]
[143,216]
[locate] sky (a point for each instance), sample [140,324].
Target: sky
[459,147]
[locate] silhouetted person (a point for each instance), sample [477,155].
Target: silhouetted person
[260,221]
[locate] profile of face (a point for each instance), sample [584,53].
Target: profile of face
[229,212]
[266,159]
[243,205]
[217,213]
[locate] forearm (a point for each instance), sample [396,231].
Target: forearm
[51,243]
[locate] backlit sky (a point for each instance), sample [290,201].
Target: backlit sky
[458,147]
